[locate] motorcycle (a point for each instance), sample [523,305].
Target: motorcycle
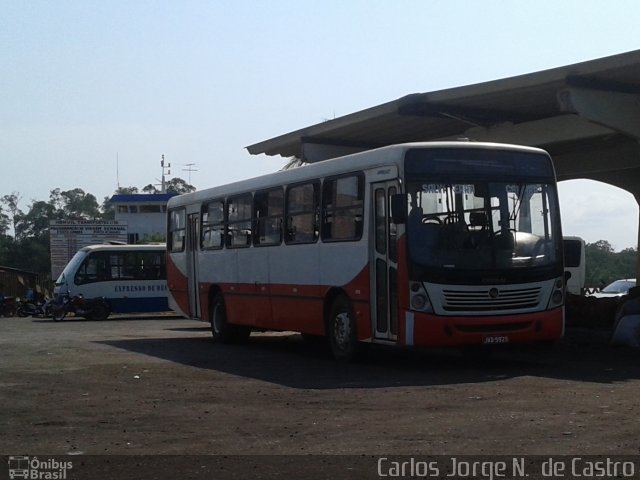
[30,309]
[90,308]
[8,307]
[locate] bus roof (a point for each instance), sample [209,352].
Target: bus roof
[128,247]
[391,154]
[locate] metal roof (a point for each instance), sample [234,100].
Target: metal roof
[142,197]
[574,111]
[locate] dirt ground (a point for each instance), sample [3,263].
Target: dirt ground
[159,386]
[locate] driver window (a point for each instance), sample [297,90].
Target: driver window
[93,269]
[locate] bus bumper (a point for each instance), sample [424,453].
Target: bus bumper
[427,330]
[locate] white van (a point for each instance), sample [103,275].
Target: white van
[133,278]
[574,262]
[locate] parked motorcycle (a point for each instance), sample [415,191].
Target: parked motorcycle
[8,307]
[90,308]
[30,309]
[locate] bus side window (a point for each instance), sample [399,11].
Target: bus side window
[269,207]
[131,266]
[93,269]
[149,265]
[239,221]
[85,272]
[177,230]
[116,266]
[343,208]
[301,213]
[213,225]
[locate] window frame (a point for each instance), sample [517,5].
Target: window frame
[170,237]
[149,208]
[361,185]
[314,212]
[113,266]
[279,218]
[204,224]
[229,230]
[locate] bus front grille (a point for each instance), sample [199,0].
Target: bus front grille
[490,299]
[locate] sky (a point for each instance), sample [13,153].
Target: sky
[93,93]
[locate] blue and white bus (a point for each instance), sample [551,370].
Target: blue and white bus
[133,278]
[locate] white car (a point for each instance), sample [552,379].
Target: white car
[617,288]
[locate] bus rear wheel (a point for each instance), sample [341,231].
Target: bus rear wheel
[341,330]
[100,312]
[221,330]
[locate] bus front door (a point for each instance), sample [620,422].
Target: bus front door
[193,243]
[384,305]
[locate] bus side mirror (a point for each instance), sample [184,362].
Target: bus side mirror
[399,208]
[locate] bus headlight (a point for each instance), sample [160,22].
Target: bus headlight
[419,300]
[557,295]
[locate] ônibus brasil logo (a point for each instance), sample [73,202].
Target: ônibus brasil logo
[32,468]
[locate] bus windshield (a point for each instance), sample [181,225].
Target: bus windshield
[71,267]
[475,224]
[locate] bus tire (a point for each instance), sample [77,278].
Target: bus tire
[221,330]
[100,312]
[342,331]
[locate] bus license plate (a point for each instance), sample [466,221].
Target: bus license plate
[495,340]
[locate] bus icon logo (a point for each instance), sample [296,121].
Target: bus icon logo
[19,467]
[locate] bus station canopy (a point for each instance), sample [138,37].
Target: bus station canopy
[586,115]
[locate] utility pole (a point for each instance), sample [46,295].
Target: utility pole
[163,186]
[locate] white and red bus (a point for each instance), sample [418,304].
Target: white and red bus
[423,244]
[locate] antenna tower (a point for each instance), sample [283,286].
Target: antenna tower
[189,169]
[118,170]
[163,186]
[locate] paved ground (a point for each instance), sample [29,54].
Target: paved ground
[160,386]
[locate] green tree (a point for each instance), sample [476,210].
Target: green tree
[34,254]
[7,250]
[55,199]
[603,246]
[32,230]
[4,223]
[603,265]
[126,191]
[11,202]
[35,223]
[29,247]
[178,185]
[79,205]
[626,263]
[175,185]
[108,211]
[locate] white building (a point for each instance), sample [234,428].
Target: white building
[145,214]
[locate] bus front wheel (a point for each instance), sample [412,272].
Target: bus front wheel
[341,330]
